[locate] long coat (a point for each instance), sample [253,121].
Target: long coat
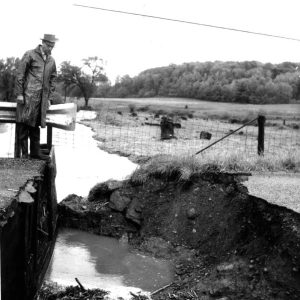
[36,82]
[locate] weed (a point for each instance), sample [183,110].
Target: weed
[143,108]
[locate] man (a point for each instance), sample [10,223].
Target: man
[35,85]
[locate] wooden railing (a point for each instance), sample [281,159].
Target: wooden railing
[61,116]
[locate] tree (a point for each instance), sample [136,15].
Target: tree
[87,78]
[8,70]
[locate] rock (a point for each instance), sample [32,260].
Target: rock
[103,190]
[191,213]
[230,189]
[25,197]
[133,215]
[225,267]
[118,202]
[30,188]
[205,135]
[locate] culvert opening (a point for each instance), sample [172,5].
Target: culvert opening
[223,242]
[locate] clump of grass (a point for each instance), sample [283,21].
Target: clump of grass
[132,108]
[144,108]
[111,119]
[241,162]
[48,289]
[183,168]
[166,166]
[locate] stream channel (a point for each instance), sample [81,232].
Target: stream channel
[97,261]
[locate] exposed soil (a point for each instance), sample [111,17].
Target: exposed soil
[225,244]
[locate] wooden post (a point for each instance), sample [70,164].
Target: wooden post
[167,129]
[261,135]
[49,137]
[17,142]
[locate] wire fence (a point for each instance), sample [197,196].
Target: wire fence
[141,133]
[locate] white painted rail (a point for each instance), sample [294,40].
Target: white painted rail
[61,116]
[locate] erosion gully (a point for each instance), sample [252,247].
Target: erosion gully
[97,261]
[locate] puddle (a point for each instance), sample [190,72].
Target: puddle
[106,263]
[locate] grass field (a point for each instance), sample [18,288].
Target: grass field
[130,127]
[218,110]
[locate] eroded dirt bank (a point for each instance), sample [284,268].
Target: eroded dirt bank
[225,244]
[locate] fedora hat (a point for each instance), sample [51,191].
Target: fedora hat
[50,38]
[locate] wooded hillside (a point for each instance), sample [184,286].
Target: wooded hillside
[243,82]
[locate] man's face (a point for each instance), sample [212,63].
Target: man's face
[47,47]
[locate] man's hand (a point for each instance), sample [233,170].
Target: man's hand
[20,99]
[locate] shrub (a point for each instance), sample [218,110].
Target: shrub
[57,98]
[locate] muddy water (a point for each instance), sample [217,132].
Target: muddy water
[96,261]
[81,164]
[79,161]
[106,263]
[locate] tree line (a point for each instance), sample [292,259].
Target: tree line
[242,82]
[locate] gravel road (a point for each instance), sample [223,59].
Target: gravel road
[277,188]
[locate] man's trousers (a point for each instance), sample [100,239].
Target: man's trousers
[33,133]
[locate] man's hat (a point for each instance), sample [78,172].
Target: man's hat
[50,38]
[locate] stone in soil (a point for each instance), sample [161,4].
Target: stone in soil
[225,243]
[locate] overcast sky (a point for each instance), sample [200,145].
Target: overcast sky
[131,44]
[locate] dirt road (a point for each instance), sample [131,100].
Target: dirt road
[278,188]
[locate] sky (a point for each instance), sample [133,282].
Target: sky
[131,44]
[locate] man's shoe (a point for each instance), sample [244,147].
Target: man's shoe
[36,153]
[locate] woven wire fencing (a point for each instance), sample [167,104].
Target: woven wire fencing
[60,138]
[139,133]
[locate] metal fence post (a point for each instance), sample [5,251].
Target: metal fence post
[261,135]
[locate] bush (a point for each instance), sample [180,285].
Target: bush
[84,107]
[57,99]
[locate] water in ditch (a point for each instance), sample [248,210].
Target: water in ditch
[98,262]
[106,263]
[79,161]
